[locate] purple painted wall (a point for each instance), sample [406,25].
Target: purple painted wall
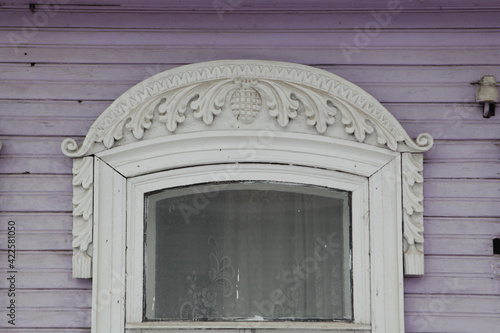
[62,65]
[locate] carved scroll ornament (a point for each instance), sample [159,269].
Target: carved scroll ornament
[285,90]
[413,219]
[83,178]
[247,89]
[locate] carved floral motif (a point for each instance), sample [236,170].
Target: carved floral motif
[209,89]
[246,103]
[83,178]
[248,89]
[413,220]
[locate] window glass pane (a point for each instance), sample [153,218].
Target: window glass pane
[248,250]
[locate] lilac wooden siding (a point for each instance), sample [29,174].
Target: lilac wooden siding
[70,65]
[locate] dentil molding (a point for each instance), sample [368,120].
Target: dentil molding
[249,91]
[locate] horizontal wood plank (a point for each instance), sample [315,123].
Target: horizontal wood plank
[48,318]
[452,285]
[234,18]
[393,38]
[47,279]
[459,245]
[462,188]
[39,260]
[55,299]
[41,241]
[105,91]
[462,265]
[462,169]
[462,226]
[436,322]
[449,303]
[134,73]
[461,207]
[26,222]
[436,55]
[251,5]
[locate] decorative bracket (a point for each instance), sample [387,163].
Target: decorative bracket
[413,217]
[243,93]
[83,192]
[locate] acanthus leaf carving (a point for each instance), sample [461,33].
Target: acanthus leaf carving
[279,102]
[113,133]
[354,121]
[318,107]
[207,90]
[212,101]
[141,120]
[83,178]
[319,114]
[173,107]
[413,220]
[248,89]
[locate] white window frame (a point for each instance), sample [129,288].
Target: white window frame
[137,188]
[383,169]
[124,175]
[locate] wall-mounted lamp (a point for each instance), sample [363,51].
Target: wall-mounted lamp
[487,94]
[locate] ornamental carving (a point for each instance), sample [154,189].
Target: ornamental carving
[246,103]
[247,90]
[413,218]
[83,179]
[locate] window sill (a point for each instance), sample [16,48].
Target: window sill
[255,326]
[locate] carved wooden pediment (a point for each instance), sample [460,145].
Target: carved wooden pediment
[247,95]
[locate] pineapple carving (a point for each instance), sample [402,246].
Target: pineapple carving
[246,102]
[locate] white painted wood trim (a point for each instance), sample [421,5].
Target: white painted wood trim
[83,192]
[243,147]
[385,248]
[413,213]
[306,102]
[200,93]
[135,252]
[246,146]
[384,309]
[361,244]
[244,327]
[108,284]
[139,186]
[302,116]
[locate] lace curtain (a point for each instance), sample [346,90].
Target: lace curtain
[259,251]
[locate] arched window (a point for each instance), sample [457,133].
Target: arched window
[247,194]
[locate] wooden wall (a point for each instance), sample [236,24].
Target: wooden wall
[62,65]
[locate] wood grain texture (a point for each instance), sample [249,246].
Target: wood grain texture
[268,5]
[110,90]
[238,19]
[60,77]
[45,317]
[370,55]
